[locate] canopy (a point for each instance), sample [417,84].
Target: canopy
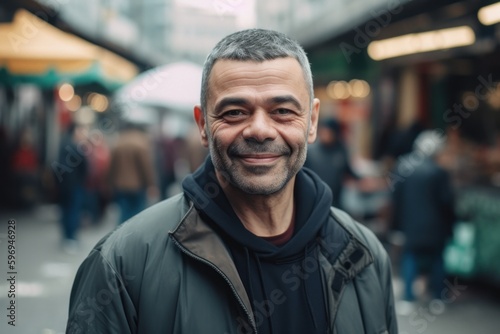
[33,51]
[173,88]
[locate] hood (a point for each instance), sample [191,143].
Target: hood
[312,206]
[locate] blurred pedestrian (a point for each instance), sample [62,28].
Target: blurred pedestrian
[423,209]
[25,166]
[330,160]
[71,170]
[171,150]
[132,173]
[97,192]
[252,244]
[5,169]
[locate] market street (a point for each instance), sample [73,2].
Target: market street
[45,274]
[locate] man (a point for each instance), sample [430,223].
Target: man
[424,211]
[252,245]
[71,172]
[131,172]
[330,160]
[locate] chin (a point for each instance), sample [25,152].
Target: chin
[260,187]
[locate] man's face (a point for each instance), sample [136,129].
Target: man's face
[258,123]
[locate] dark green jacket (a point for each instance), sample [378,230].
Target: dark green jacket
[167,271]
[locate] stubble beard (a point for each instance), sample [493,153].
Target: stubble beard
[243,178]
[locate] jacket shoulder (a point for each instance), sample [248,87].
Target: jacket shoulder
[360,232]
[149,227]
[377,278]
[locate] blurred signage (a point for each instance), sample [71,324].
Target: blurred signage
[326,19]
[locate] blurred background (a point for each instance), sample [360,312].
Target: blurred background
[82,82]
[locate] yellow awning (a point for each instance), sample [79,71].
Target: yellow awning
[30,46]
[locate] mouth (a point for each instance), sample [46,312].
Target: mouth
[259,159]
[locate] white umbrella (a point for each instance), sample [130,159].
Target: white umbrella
[174,88]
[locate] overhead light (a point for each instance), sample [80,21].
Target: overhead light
[421,42]
[359,88]
[342,90]
[338,90]
[98,102]
[490,14]
[66,92]
[74,104]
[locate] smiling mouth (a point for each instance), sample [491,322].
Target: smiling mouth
[259,158]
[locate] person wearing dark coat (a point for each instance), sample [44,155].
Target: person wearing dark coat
[330,160]
[71,170]
[423,207]
[252,244]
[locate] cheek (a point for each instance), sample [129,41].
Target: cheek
[224,131]
[222,136]
[296,131]
[295,138]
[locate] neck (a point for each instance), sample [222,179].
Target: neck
[263,215]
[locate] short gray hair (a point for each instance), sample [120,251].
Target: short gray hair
[255,45]
[430,142]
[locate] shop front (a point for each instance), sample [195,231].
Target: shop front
[431,66]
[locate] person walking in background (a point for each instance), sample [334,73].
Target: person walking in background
[330,160]
[132,173]
[423,209]
[252,244]
[97,192]
[71,171]
[26,169]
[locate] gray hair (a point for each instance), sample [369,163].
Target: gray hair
[255,45]
[430,142]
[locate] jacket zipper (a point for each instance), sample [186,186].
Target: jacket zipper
[220,272]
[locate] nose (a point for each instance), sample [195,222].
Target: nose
[260,127]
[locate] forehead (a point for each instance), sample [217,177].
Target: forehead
[281,73]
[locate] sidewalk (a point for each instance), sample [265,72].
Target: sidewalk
[44,272]
[467,308]
[45,275]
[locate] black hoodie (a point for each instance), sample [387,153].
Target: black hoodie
[282,282]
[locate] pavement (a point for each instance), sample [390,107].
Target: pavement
[45,272]
[43,275]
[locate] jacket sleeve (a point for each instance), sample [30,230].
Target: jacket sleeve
[386,281]
[99,301]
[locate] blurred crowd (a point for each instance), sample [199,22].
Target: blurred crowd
[408,197]
[413,198]
[131,168]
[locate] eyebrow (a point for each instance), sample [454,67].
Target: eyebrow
[286,99]
[230,101]
[237,101]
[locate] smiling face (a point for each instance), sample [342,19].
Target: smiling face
[258,123]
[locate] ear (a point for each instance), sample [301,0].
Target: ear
[199,118]
[313,128]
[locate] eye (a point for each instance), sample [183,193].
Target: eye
[232,113]
[282,111]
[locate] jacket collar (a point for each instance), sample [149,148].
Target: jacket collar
[198,240]
[342,261]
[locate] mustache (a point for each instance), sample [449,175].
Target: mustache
[252,147]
